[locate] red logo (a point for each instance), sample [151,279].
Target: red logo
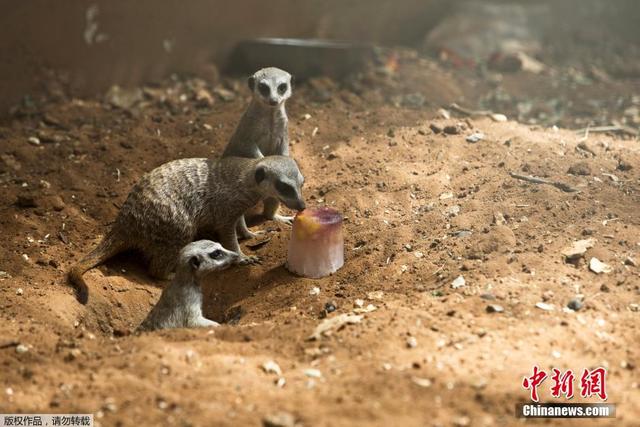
[591,383]
[532,382]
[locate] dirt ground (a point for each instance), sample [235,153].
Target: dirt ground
[422,208]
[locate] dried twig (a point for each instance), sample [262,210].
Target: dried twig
[608,129]
[535,180]
[468,112]
[8,344]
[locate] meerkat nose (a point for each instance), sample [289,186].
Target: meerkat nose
[273,102]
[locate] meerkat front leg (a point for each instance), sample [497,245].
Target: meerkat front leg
[244,232]
[271,206]
[229,240]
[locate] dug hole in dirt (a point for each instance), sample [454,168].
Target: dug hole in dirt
[454,280]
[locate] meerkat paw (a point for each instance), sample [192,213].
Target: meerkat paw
[246,260]
[206,323]
[246,235]
[283,219]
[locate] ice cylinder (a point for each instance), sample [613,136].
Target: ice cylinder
[316,247]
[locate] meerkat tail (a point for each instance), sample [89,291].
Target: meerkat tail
[108,247]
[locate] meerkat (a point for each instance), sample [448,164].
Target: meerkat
[180,304]
[263,130]
[188,198]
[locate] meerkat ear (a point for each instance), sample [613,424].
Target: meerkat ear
[260,174]
[251,82]
[194,261]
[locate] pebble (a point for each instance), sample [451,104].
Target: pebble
[313,373]
[314,291]
[598,266]
[544,306]
[21,348]
[330,307]
[580,168]
[359,303]
[412,342]
[19,291]
[475,137]
[495,308]
[422,382]
[435,128]
[575,304]
[271,367]
[452,130]
[630,261]
[279,419]
[459,282]
[34,140]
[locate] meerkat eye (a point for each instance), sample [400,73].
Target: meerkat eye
[264,89]
[217,254]
[282,88]
[285,189]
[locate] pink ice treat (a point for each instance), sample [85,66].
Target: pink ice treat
[316,248]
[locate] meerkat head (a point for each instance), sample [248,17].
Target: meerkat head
[204,256]
[279,177]
[271,86]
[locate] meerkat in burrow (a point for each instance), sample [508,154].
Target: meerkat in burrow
[184,199]
[180,305]
[263,130]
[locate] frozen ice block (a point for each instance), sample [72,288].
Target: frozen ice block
[316,247]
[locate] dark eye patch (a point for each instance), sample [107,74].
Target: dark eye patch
[285,189]
[217,254]
[282,88]
[264,89]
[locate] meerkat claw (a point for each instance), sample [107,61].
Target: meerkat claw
[246,260]
[284,219]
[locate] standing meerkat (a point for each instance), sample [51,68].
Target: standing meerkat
[180,305]
[263,130]
[183,199]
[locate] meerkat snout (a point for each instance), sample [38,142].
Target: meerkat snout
[271,85]
[280,178]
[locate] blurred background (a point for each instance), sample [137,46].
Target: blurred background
[84,47]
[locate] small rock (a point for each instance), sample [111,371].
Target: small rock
[435,128]
[475,137]
[271,367]
[422,382]
[21,348]
[575,304]
[313,373]
[580,168]
[57,203]
[279,419]
[544,306]
[412,342]
[19,291]
[634,307]
[459,282]
[203,98]
[34,140]
[314,291]
[359,303]
[487,296]
[598,266]
[494,308]
[452,130]
[630,261]
[500,118]
[330,307]
[578,249]
[624,166]
[376,295]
